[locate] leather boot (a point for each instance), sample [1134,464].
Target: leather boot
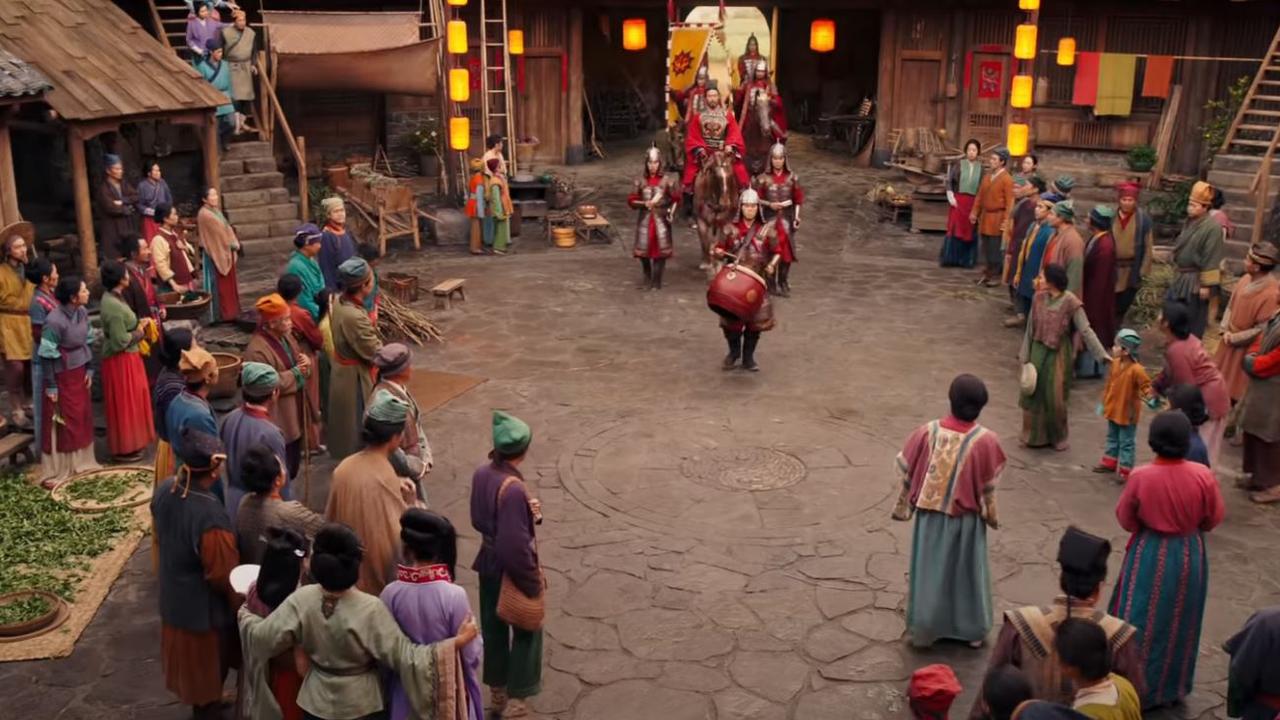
[735,348]
[497,701]
[749,343]
[648,273]
[784,283]
[658,266]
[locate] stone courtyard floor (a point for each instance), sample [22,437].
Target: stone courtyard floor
[718,544]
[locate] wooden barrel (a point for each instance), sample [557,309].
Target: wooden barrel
[338,176]
[563,237]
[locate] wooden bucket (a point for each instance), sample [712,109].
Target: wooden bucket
[563,237]
[338,176]
[228,375]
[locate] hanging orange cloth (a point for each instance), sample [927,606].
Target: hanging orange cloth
[1116,73]
[1085,91]
[1158,76]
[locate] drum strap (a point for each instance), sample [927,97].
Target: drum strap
[746,239]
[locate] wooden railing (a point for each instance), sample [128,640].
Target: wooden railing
[297,145]
[1261,189]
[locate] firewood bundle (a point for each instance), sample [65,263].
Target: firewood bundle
[397,321]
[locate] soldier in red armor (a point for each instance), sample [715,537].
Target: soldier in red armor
[750,243]
[748,61]
[694,100]
[713,129]
[654,197]
[759,88]
[781,198]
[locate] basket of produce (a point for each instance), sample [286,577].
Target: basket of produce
[190,305]
[228,375]
[27,611]
[586,212]
[120,486]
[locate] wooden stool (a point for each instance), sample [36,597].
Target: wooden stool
[591,227]
[445,291]
[15,444]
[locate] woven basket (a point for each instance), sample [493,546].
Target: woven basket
[400,286]
[563,237]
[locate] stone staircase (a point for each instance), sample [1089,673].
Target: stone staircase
[1234,174]
[256,201]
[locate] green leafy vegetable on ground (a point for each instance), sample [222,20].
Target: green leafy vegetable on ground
[106,489]
[45,545]
[24,609]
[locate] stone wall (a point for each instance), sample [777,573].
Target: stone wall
[405,114]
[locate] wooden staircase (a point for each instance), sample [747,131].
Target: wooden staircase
[1244,169]
[169,20]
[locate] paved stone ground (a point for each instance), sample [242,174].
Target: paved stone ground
[718,545]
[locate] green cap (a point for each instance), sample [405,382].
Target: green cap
[387,408]
[1064,183]
[511,435]
[260,377]
[1065,209]
[353,271]
[1129,340]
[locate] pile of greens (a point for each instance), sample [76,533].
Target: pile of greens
[23,609]
[45,545]
[105,489]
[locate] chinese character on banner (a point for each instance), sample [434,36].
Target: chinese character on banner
[473,68]
[990,79]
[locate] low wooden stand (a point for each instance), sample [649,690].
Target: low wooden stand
[592,227]
[15,444]
[445,291]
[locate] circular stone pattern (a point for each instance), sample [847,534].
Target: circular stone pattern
[742,475]
[744,468]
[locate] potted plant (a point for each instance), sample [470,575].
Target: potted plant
[425,141]
[1141,158]
[1169,209]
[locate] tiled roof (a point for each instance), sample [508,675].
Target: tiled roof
[19,79]
[100,62]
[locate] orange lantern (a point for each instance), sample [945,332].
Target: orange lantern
[457,34]
[1029,5]
[635,34]
[515,42]
[1021,91]
[1017,140]
[459,85]
[459,133]
[458,3]
[1067,51]
[1024,45]
[822,35]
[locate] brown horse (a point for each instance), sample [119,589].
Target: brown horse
[757,130]
[715,201]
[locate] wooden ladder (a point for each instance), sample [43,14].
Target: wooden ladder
[169,21]
[496,109]
[1256,127]
[453,172]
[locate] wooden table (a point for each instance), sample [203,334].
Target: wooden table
[592,227]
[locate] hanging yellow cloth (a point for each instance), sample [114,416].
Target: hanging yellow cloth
[1116,74]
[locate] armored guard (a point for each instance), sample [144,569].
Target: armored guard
[654,197]
[738,293]
[781,198]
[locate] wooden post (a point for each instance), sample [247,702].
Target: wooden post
[1260,199]
[210,148]
[8,185]
[773,47]
[304,194]
[84,210]
[575,152]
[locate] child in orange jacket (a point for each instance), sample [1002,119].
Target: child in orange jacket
[1128,388]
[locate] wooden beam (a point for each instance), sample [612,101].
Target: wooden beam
[209,146]
[8,185]
[84,210]
[885,76]
[574,149]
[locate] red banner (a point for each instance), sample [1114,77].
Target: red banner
[990,78]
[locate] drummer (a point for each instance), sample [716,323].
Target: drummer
[753,246]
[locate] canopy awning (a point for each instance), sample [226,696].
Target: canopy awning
[372,52]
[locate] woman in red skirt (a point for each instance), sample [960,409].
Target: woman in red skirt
[960,245]
[124,378]
[66,413]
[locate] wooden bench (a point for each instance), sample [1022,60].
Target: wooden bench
[445,291]
[596,227]
[15,444]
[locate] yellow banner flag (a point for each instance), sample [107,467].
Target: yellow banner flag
[688,47]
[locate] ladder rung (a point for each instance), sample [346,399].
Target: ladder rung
[1269,113]
[1252,143]
[1267,98]
[1258,127]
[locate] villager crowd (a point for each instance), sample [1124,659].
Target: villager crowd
[1072,657]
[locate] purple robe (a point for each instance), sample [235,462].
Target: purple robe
[430,611]
[243,428]
[506,529]
[200,33]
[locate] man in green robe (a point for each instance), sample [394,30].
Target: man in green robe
[355,343]
[302,262]
[1197,257]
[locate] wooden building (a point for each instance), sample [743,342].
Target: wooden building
[20,83]
[106,71]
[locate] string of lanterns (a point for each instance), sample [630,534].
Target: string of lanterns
[460,78]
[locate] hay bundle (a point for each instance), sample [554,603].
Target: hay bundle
[397,321]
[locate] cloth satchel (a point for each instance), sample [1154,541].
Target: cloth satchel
[514,607]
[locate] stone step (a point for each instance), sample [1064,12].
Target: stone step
[1241,213]
[263,248]
[1236,248]
[246,150]
[253,181]
[253,198]
[1239,182]
[1242,164]
[265,213]
[234,168]
[270,228]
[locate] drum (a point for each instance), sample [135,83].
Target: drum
[736,293]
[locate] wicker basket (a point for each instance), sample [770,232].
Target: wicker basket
[228,375]
[586,212]
[563,237]
[400,286]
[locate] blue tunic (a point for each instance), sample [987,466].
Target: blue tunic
[190,411]
[220,78]
[242,429]
[334,250]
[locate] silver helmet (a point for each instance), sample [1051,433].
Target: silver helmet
[653,154]
[749,197]
[779,151]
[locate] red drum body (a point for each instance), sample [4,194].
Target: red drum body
[736,293]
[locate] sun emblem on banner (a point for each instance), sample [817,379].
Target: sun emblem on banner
[682,62]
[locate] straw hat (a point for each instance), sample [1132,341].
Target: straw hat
[1027,379]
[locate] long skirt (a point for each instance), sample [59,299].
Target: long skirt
[127,401]
[37,403]
[1161,590]
[73,433]
[950,583]
[960,247]
[1262,460]
[195,664]
[1044,413]
[224,305]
